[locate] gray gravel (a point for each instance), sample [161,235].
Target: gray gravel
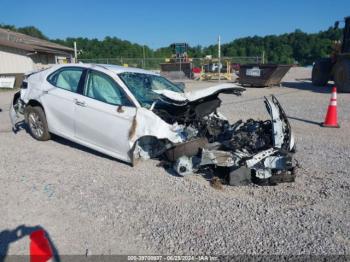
[92,204]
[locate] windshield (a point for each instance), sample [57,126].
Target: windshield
[143,85]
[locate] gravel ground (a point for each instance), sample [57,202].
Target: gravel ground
[92,204]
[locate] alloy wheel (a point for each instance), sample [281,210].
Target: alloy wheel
[36,125]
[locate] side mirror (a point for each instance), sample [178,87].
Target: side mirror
[336,25]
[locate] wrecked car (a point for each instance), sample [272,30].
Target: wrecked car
[132,114]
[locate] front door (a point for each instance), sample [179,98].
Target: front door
[104,115]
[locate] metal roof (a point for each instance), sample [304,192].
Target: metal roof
[29,43]
[16,45]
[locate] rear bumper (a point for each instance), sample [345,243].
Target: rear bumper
[16,111]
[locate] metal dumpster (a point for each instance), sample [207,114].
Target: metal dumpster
[262,74]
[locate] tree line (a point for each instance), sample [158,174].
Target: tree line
[289,48]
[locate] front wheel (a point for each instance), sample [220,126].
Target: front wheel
[36,122]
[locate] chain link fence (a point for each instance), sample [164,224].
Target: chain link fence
[154,63]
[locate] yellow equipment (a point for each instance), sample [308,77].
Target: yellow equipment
[210,70]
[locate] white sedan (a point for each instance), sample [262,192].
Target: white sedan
[130,113]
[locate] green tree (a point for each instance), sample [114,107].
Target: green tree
[297,46]
[27,30]
[32,31]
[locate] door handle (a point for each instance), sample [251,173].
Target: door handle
[79,103]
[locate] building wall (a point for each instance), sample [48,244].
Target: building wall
[14,61]
[17,62]
[43,60]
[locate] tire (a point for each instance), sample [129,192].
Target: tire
[36,123]
[342,76]
[321,72]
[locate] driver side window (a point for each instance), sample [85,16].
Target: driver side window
[103,88]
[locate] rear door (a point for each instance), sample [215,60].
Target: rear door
[59,99]
[104,115]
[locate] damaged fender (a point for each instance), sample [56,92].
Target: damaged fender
[148,125]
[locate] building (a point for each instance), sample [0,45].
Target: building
[20,53]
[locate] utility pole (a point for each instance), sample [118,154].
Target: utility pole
[263,56]
[75,53]
[219,57]
[144,56]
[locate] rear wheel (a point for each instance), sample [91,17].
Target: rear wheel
[321,72]
[36,122]
[342,76]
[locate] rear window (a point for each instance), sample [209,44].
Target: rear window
[67,78]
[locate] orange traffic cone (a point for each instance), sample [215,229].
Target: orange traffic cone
[331,117]
[39,248]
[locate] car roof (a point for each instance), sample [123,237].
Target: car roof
[122,69]
[114,68]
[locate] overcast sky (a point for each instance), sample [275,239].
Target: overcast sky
[158,23]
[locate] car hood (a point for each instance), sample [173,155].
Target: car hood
[192,96]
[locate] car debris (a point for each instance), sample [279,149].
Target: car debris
[133,114]
[252,151]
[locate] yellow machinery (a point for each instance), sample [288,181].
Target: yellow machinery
[179,62]
[210,70]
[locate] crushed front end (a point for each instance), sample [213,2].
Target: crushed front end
[247,152]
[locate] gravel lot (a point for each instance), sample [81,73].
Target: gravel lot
[92,204]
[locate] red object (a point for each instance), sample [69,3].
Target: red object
[196,70]
[40,250]
[331,119]
[236,66]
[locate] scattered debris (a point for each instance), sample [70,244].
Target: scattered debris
[215,182]
[254,151]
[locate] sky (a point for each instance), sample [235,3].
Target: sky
[158,23]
